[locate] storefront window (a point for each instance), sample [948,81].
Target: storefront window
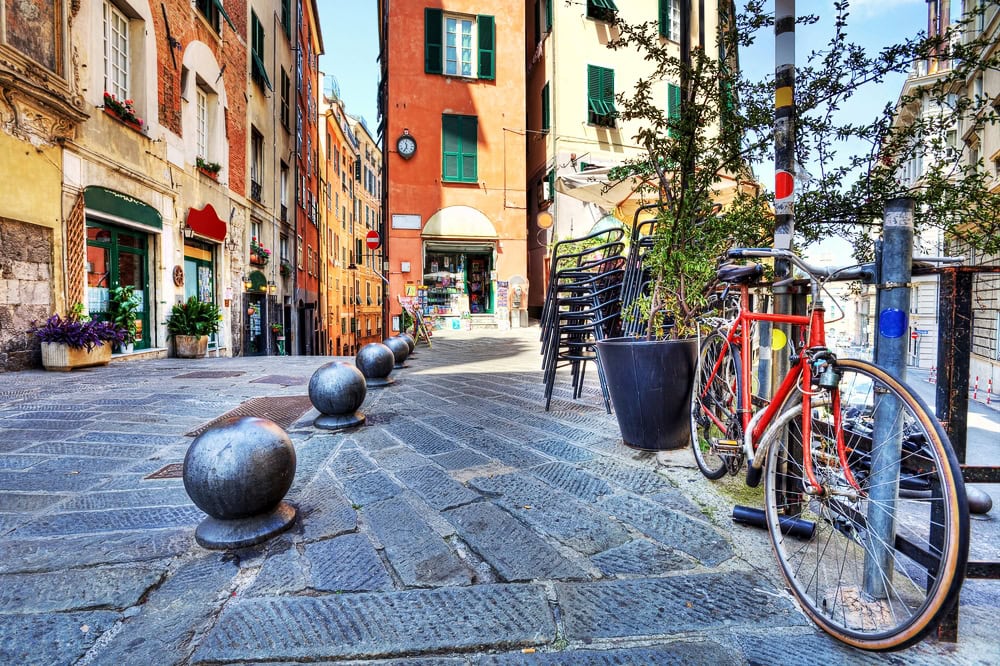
[458,283]
[117,256]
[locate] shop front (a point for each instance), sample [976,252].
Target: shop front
[120,232]
[204,232]
[459,266]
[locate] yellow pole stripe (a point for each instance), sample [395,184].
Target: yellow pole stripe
[783,97]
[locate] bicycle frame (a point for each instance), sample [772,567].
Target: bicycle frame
[799,375]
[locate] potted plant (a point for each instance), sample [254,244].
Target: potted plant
[189,325]
[286,268]
[124,110]
[124,314]
[259,255]
[210,169]
[75,341]
[705,203]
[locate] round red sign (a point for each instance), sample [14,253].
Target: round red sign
[372,240]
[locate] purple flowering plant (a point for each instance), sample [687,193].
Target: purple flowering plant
[77,333]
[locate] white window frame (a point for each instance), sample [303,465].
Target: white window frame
[117,51]
[674,34]
[454,55]
[201,123]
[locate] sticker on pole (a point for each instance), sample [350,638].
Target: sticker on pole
[892,323]
[784,185]
[372,240]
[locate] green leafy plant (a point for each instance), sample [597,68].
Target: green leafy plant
[193,317]
[124,311]
[286,268]
[211,167]
[123,109]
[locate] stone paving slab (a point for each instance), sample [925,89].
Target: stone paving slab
[47,554]
[80,522]
[346,564]
[436,488]
[674,530]
[573,480]
[28,502]
[127,499]
[419,556]
[553,512]
[642,557]
[462,459]
[380,625]
[97,450]
[515,552]
[421,439]
[399,457]
[561,450]
[283,572]
[76,465]
[76,589]
[370,487]
[323,509]
[32,481]
[678,653]
[639,480]
[351,462]
[51,638]
[664,606]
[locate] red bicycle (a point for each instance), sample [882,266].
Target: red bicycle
[863,496]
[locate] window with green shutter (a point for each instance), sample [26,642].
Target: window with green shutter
[600,96]
[258,71]
[602,10]
[286,17]
[545,107]
[459,45]
[548,15]
[673,107]
[670,19]
[459,143]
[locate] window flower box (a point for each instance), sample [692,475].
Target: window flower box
[123,111]
[259,255]
[210,169]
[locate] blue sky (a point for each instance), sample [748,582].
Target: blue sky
[350,41]
[350,37]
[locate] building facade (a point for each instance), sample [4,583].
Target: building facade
[452,105]
[369,280]
[573,133]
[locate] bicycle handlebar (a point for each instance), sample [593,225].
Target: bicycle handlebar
[858,272]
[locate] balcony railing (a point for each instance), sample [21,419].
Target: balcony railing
[284,213]
[255,190]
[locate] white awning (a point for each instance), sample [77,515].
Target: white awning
[459,222]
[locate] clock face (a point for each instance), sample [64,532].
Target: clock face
[406,146]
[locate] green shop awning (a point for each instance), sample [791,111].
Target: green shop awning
[103,200]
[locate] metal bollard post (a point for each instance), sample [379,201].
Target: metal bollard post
[890,353]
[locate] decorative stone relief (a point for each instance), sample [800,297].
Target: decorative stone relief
[36,105]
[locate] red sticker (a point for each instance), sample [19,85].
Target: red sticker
[784,185]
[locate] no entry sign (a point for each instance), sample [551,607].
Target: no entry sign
[372,240]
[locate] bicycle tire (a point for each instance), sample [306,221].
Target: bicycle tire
[826,573]
[721,398]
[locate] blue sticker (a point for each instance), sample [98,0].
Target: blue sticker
[892,323]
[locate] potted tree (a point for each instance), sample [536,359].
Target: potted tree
[189,325]
[124,314]
[706,202]
[75,341]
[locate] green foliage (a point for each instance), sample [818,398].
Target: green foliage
[193,317]
[124,311]
[694,163]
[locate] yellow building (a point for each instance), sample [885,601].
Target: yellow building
[369,286]
[573,78]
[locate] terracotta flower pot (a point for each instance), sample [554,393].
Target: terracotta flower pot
[191,346]
[63,358]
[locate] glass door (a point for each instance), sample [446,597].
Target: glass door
[118,256]
[199,277]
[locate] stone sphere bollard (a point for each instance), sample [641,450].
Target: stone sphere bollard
[410,342]
[400,350]
[238,473]
[337,390]
[375,361]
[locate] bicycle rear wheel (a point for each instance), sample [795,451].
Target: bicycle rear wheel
[868,591]
[714,405]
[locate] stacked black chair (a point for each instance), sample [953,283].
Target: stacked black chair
[583,305]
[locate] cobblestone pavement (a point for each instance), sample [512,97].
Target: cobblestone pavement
[463,525]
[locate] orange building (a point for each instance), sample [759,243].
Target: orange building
[452,103]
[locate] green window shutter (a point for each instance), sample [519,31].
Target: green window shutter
[545,108]
[487,47]
[548,15]
[222,11]
[673,105]
[286,17]
[459,141]
[551,178]
[665,18]
[433,54]
[257,51]
[600,95]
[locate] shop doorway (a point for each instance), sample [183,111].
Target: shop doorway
[118,256]
[199,277]
[458,282]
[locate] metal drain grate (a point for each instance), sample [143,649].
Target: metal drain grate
[283,410]
[171,471]
[210,374]
[284,380]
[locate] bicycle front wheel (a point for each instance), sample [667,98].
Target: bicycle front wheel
[716,435]
[885,560]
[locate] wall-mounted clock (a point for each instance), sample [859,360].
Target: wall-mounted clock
[406,146]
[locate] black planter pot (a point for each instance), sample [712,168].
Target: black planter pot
[650,386]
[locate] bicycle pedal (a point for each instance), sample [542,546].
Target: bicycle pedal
[727,445]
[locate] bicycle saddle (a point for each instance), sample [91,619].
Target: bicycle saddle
[736,274]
